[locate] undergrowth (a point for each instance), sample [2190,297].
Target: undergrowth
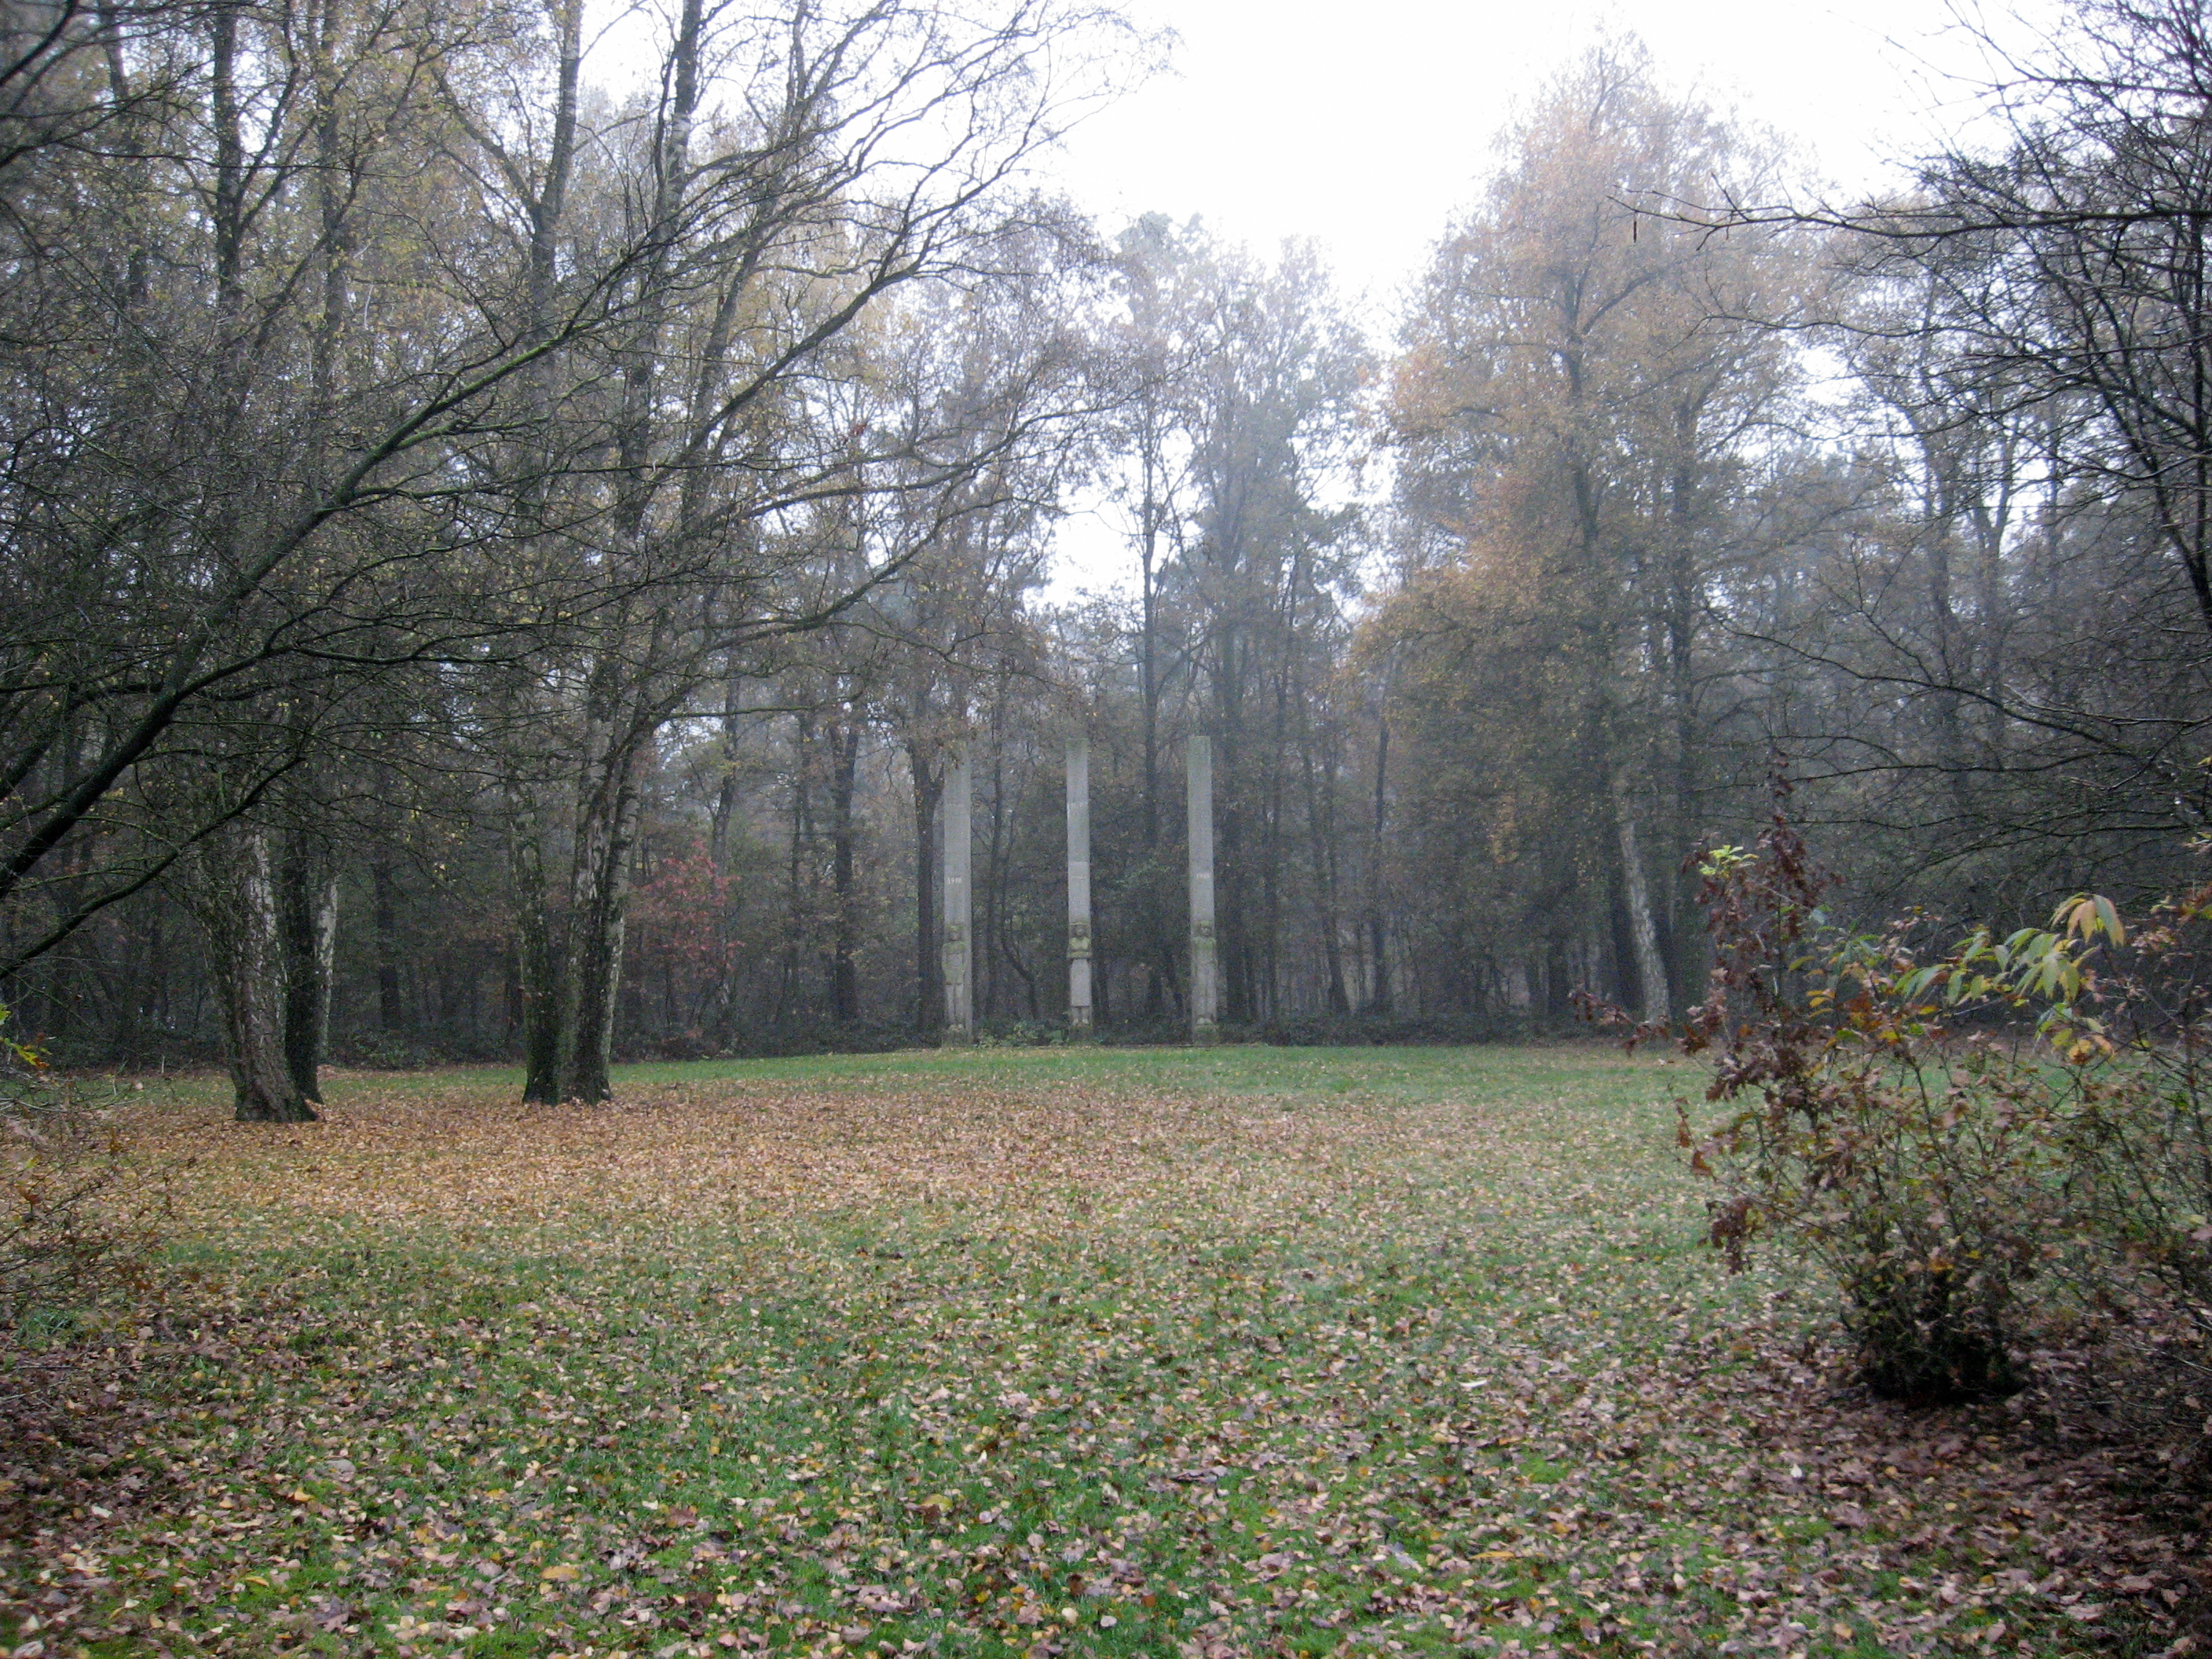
[1986,1146]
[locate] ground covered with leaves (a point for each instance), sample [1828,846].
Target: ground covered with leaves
[1177,1354]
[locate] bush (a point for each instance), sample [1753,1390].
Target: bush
[1963,1143]
[1904,1171]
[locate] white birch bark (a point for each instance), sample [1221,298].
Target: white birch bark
[237,901]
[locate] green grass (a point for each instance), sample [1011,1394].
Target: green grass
[1225,1351]
[1297,1076]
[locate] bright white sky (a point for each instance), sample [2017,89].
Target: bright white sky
[1366,126]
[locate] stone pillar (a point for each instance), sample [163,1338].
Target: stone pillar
[1079,889]
[959,945]
[1205,959]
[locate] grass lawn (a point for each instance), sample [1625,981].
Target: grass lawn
[1185,1354]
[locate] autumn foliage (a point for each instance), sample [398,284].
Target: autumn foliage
[73,1226]
[1984,1147]
[1237,1353]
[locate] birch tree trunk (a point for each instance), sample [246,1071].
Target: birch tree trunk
[237,901]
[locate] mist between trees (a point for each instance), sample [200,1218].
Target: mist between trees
[498,569]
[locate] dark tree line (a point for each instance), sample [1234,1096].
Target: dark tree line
[499,571]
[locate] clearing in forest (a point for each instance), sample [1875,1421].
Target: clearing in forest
[1060,1352]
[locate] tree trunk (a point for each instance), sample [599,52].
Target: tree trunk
[1559,977]
[1618,943]
[308,912]
[1320,831]
[607,843]
[928,786]
[1643,928]
[799,870]
[245,952]
[390,1017]
[991,945]
[1230,953]
[538,961]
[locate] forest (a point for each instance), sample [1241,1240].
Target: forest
[762,893]
[508,525]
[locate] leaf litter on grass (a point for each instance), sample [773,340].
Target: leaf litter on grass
[985,1358]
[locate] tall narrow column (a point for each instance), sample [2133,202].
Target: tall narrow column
[1079,888]
[959,952]
[1204,961]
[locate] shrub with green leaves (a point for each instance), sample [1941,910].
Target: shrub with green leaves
[1959,1141]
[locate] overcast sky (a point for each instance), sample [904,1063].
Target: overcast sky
[1367,125]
